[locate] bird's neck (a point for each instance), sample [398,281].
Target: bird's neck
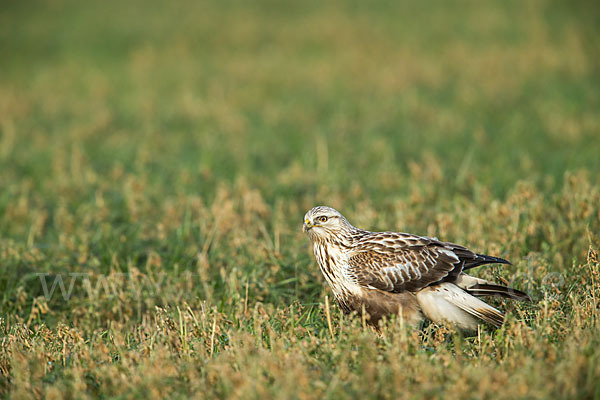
[347,239]
[332,256]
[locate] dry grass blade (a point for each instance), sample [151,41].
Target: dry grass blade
[328,314]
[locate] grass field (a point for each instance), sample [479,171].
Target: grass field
[157,158]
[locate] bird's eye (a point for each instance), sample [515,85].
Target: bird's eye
[322,218]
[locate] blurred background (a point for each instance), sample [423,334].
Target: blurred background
[291,95]
[198,131]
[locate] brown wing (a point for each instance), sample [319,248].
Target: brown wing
[400,265]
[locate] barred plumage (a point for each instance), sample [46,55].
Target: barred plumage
[387,273]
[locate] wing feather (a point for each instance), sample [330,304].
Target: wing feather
[396,262]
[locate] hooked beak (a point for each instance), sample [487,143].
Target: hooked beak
[306,226]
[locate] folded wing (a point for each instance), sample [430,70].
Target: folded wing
[399,262]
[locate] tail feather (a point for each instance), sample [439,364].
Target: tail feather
[491,316]
[448,302]
[497,290]
[479,309]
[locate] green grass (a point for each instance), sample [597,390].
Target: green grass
[160,156]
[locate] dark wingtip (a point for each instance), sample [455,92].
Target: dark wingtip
[522,295]
[482,259]
[496,260]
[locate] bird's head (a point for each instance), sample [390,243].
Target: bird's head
[323,223]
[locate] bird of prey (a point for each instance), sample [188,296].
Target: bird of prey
[386,273]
